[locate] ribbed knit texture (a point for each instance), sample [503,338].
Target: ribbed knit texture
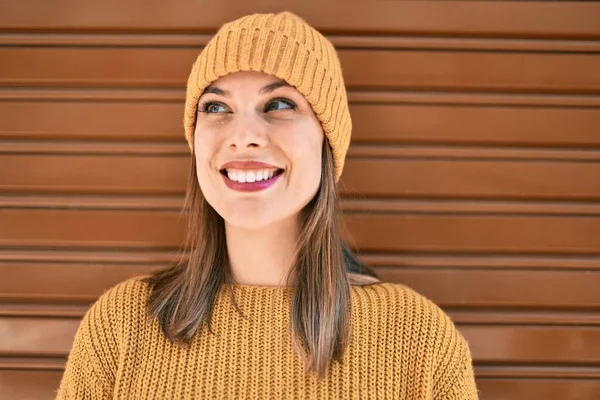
[285,46]
[402,347]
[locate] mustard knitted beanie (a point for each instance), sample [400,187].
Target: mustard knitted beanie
[287,47]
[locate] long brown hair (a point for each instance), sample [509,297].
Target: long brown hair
[182,295]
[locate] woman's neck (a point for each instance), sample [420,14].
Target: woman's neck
[262,257]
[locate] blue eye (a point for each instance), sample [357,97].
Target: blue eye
[280,104]
[211,107]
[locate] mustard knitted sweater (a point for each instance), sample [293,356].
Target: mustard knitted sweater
[402,347]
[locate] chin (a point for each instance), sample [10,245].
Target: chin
[249,223]
[248,218]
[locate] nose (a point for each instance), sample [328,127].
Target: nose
[248,131]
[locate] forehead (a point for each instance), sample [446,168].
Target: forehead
[245,80]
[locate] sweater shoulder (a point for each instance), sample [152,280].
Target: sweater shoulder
[406,300]
[418,320]
[412,313]
[125,296]
[103,334]
[118,308]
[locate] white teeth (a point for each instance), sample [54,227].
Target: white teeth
[241,177]
[250,176]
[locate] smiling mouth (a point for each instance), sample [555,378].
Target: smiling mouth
[251,175]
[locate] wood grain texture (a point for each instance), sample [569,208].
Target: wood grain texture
[480,234]
[37,336]
[489,343]
[60,283]
[107,229]
[355,96]
[426,70]
[401,123]
[377,232]
[17,385]
[501,288]
[449,176]
[339,40]
[479,18]
[472,177]
[534,344]
[448,287]
[99,120]
[500,389]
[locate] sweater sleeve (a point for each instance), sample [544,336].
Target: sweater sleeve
[457,379]
[92,362]
[80,379]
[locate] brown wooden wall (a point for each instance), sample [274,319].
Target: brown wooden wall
[473,177]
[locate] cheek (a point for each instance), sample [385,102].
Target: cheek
[206,142]
[205,148]
[304,148]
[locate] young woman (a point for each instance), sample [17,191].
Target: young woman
[269,303]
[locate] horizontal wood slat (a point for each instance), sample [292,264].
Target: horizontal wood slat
[522,389]
[492,316]
[437,206]
[401,177]
[62,282]
[533,344]
[376,232]
[535,18]
[507,179]
[384,260]
[340,41]
[372,123]
[108,257]
[37,336]
[355,203]
[92,120]
[430,70]
[77,309]
[29,385]
[364,96]
[461,316]
[357,151]
[107,229]
[53,336]
[498,234]
[405,123]
[449,287]
[89,174]
[471,71]
[95,67]
[16,385]
[501,288]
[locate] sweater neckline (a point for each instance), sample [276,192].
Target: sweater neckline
[271,289]
[242,286]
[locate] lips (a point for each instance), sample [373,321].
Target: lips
[248,164]
[250,186]
[250,176]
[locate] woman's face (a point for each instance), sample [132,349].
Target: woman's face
[258,149]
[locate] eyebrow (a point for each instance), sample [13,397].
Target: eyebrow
[276,85]
[217,91]
[267,89]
